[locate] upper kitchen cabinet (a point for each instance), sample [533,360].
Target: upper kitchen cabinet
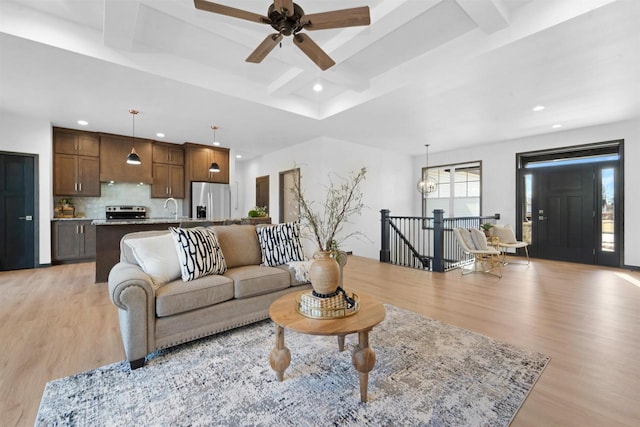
[168,154]
[113,160]
[200,157]
[68,141]
[75,163]
[168,171]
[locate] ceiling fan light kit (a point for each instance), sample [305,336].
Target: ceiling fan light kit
[288,19]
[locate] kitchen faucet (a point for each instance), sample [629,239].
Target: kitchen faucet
[166,202]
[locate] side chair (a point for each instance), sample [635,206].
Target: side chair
[486,259]
[507,240]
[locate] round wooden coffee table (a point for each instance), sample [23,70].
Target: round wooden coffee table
[284,314]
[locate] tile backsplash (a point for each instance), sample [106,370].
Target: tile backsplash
[122,194]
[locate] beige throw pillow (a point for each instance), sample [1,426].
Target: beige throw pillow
[157,257]
[504,233]
[466,237]
[479,239]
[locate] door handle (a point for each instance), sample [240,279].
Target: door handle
[26,218]
[541,215]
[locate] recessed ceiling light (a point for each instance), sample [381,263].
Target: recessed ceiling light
[317,87]
[556,126]
[160,135]
[83,122]
[538,108]
[238,156]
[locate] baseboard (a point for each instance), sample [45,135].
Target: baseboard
[631,267]
[44,265]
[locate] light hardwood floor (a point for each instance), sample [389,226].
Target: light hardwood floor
[55,322]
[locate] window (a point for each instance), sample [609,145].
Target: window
[458,190]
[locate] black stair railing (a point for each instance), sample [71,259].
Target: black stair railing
[424,242]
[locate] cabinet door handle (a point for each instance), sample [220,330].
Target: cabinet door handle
[77,230]
[82,229]
[75,186]
[80,186]
[170,191]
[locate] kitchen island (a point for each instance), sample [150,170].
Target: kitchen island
[110,231]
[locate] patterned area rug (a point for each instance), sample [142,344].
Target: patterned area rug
[426,373]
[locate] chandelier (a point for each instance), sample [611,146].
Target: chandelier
[426,185]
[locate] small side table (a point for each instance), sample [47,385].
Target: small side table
[285,316]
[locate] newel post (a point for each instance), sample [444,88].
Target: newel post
[385,252]
[438,240]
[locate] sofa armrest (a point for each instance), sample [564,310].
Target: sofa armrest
[131,290]
[124,275]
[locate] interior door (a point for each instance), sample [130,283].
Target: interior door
[289,207]
[564,214]
[17,212]
[262,192]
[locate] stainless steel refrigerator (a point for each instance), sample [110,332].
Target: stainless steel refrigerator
[210,201]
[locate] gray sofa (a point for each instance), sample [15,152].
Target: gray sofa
[154,317]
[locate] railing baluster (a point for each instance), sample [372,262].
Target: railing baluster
[424,242]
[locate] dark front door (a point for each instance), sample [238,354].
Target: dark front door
[17,212]
[564,215]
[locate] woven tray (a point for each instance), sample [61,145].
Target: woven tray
[325,308]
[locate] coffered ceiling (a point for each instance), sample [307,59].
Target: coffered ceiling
[452,73]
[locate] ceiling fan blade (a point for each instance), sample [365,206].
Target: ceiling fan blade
[265,47]
[287,5]
[313,51]
[337,19]
[230,11]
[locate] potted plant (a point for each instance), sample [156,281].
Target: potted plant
[258,212]
[486,227]
[325,223]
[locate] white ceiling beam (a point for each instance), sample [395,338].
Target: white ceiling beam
[489,15]
[119,26]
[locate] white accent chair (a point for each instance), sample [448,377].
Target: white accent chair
[507,240]
[485,260]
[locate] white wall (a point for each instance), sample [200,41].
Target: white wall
[499,172]
[28,135]
[385,186]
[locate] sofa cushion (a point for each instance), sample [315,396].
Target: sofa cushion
[251,280]
[280,243]
[157,257]
[199,252]
[239,244]
[178,296]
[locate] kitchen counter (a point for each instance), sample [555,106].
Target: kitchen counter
[170,220]
[110,232]
[182,221]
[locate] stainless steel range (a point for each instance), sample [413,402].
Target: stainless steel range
[126,212]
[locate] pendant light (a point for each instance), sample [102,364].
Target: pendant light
[214,166]
[425,185]
[133,158]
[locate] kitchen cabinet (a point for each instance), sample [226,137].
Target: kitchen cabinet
[200,157]
[114,150]
[168,181]
[169,154]
[75,163]
[73,240]
[76,175]
[168,171]
[68,141]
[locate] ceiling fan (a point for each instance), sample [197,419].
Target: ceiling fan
[288,19]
